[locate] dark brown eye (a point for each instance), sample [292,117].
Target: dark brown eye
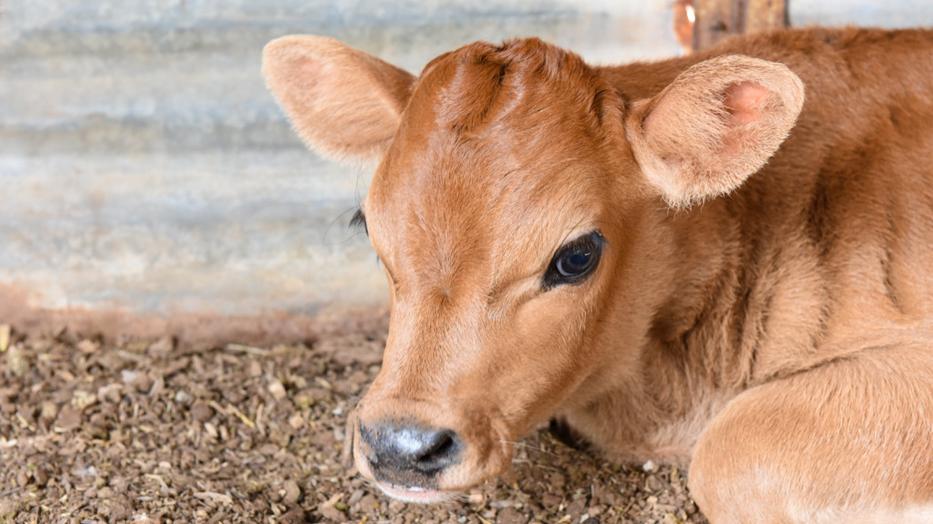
[575,260]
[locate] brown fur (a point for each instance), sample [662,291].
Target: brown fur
[766,319]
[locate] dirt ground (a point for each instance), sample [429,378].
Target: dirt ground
[151,432]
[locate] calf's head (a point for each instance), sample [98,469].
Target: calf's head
[506,209]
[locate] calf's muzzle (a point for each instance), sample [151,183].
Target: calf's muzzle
[407,453]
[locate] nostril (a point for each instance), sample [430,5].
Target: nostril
[439,451]
[438,444]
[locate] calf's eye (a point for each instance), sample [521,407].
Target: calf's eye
[575,260]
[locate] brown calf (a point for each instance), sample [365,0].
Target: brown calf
[723,260]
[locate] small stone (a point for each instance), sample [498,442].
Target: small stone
[83,399]
[88,346]
[157,386]
[40,476]
[295,515]
[85,472]
[201,412]
[68,419]
[128,376]
[511,516]
[653,484]
[268,449]
[276,389]
[162,347]
[110,393]
[296,421]
[369,503]
[557,480]
[355,497]
[142,383]
[5,332]
[48,411]
[551,500]
[675,476]
[16,361]
[182,397]
[329,509]
[649,466]
[304,400]
[576,508]
[690,507]
[292,492]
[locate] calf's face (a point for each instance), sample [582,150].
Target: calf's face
[508,192]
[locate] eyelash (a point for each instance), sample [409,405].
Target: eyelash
[359,220]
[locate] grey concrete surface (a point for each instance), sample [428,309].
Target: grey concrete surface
[144,166]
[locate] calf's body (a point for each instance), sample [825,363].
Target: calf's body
[822,255]
[760,308]
[793,317]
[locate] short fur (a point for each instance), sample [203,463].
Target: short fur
[763,310]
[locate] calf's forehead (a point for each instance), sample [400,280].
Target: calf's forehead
[498,145]
[447,208]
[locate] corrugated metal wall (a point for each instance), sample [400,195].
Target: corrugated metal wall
[144,166]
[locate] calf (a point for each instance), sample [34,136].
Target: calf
[721,261]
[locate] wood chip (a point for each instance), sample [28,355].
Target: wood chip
[329,509]
[144,452]
[5,332]
[210,496]
[250,350]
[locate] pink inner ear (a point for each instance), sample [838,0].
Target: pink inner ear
[746,102]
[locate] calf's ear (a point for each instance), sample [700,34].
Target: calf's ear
[713,126]
[344,103]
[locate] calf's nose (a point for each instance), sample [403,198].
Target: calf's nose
[410,448]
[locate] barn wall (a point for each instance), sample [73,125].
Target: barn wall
[866,13]
[144,167]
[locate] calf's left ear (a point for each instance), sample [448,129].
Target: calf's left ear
[716,124]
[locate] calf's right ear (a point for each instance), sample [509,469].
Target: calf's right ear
[714,126]
[345,104]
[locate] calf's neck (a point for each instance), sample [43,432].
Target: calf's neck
[723,261]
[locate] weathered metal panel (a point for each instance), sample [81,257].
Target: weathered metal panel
[143,165]
[868,13]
